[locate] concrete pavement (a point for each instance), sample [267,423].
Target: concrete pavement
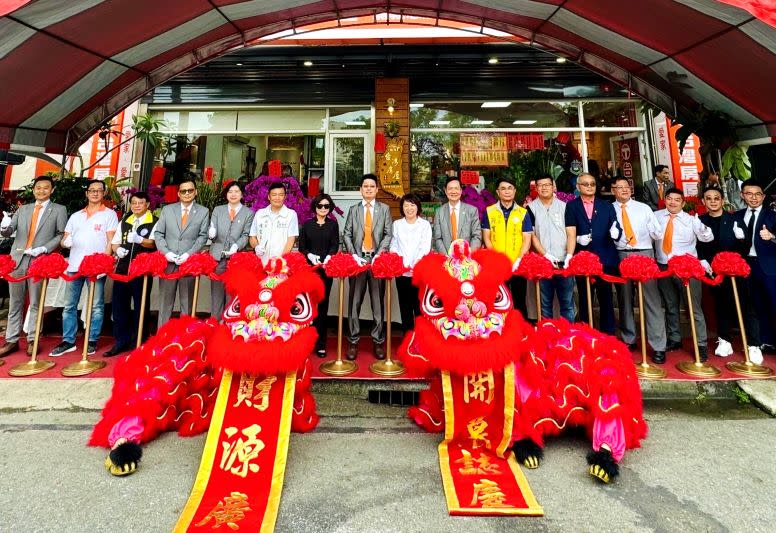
[707,466]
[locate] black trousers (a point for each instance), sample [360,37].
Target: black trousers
[518,288]
[759,307]
[409,304]
[724,307]
[602,290]
[126,310]
[323,311]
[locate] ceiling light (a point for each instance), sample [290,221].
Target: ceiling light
[495,104]
[524,122]
[560,59]
[239,64]
[308,63]
[355,123]
[415,106]
[481,122]
[439,122]
[493,60]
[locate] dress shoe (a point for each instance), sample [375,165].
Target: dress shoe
[768,348]
[673,345]
[703,353]
[755,355]
[320,351]
[659,358]
[379,350]
[115,350]
[352,352]
[632,346]
[724,348]
[8,348]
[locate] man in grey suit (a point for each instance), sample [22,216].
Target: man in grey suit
[39,228]
[466,216]
[654,190]
[180,232]
[367,233]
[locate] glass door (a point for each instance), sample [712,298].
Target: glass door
[348,161]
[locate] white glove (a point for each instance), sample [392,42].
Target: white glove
[67,242]
[171,257]
[326,259]
[35,252]
[360,260]
[614,231]
[738,232]
[181,259]
[566,262]
[259,250]
[551,258]
[232,250]
[516,264]
[706,267]
[6,220]
[314,259]
[584,240]
[133,237]
[211,233]
[121,253]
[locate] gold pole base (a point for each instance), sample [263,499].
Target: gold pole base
[82,368]
[2,362]
[338,368]
[387,368]
[698,369]
[30,368]
[748,369]
[647,371]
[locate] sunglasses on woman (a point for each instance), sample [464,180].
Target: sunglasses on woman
[323,206]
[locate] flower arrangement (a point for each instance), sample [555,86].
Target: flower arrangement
[257,192]
[480,200]
[155,196]
[564,197]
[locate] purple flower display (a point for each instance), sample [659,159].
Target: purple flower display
[565,197]
[257,196]
[155,196]
[480,200]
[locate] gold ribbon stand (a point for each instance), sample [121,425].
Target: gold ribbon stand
[338,367]
[33,366]
[387,367]
[141,315]
[84,366]
[644,369]
[538,300]
[696,367]
[747,368]
[195,297]
[590,304]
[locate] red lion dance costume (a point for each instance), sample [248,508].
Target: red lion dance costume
[250,375]
[506,384]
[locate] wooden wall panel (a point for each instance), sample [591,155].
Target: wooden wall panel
[399,90]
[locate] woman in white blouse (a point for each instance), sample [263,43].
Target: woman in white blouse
[411,240]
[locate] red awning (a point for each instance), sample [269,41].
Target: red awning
[67,66]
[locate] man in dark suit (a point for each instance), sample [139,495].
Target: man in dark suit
[654,189]
[367,233]
[594,225]
[756,226]
[39,227]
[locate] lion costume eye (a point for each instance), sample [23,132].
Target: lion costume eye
[503,302]
[233,311]
[301,310]
[432,304]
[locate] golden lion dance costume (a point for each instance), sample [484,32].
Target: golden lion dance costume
[504,384]
[247,379]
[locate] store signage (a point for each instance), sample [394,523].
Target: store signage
[484,150]
[389,167]
[525,141]
[685,167]
[470,177]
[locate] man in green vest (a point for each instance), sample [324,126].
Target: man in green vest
[507,228]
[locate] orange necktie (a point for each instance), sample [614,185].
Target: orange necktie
[453,224]
[232,212]
[660,191]
[626,223]
[185,217]
[368,245]
[668,237]
[33,226]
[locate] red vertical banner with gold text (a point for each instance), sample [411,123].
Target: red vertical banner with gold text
[241,474]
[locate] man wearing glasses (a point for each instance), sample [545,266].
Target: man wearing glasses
[592,223]
[180,232]
[756,227]
[88,231]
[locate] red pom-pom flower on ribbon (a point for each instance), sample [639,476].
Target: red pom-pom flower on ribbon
[199,264]
[47,266]
[535,267]
[639,268]
[388,265]
[342,265]
[147,264]
[296,262]
[686,267]
[94,265]
[585,264]
[247,260]
[7,265]
[730,264]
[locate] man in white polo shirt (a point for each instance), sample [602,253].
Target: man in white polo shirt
[88,231]
[275,227]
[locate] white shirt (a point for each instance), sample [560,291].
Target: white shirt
[645,226]
[755,232]
[272,230]
[89,233]
[411,241]
[43,207]
[688,230]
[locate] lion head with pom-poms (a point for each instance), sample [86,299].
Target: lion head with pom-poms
[266,324]
[468,323]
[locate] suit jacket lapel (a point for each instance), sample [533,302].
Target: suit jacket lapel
[177,214]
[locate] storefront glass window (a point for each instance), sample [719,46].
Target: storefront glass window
[513,115]
[272,120]
[198,121]
[350,118]
[348,161]
[611,114]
